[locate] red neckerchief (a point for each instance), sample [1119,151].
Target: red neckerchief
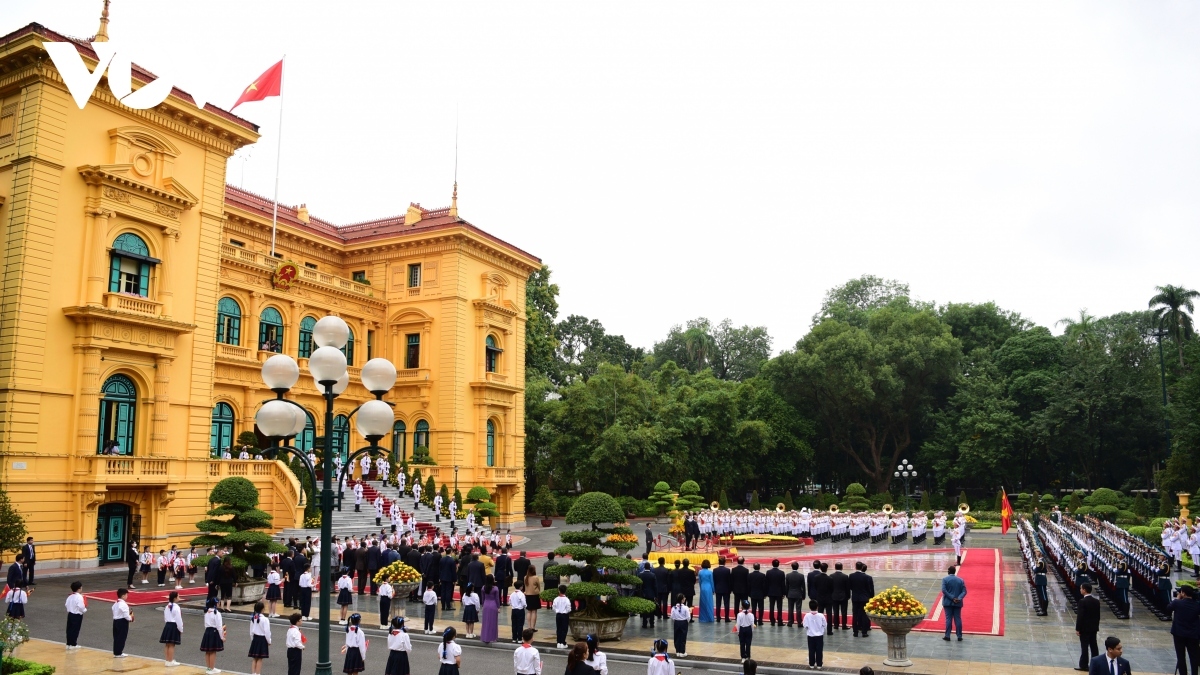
[525,645]
[661,657]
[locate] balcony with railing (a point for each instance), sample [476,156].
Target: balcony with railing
[501,475]
[131,470]
[134,304]
[225,351]
[308,275]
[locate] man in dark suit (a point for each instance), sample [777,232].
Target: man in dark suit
[816,571]
[649,592]
[1087,625]
[287,569]
[1185,628]
[687,533]
[504,574]
[350,558]
[373,565]
[520,566]
[475,572]
[721,589]
[795,593]
[839,585]
[1110,662]
[16,572]
[862,589]
[446,575]
[662,582]
[212,572]
[30,560]
[758,593]
[739,578]
[687,583]
[549,580]
[821,588]
[300,562]
[776,587]
[360,567]
[131,559]
[649,541]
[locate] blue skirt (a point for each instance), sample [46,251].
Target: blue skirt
[16,610]
[354,661]
[397,663]
[448,669]
[259,649]
[212,642]
[470,614]
[344,597]
[170,634]
[273,592]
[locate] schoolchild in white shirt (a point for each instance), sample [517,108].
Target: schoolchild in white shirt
[681,616]
[16,599]
[273,592]
[660,663]
[122,617]
[214,636]
[745,630]
[470,604]
[355,648]
[562,614]
[430,599]
[814,627]
[399,645]
[385,604]
[76,608]
[526,660]
[344,598]
[260,639]
[295,644]
[304,592]
[172,632]
[449,653]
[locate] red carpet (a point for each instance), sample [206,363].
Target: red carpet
[154,597]
[983,609]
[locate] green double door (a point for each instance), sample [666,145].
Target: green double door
[115,529]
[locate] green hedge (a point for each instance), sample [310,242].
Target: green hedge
[19,667]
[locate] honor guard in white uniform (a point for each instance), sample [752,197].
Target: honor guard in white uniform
[358,497]
[400,483]
[416,495]
[365,464]
[378,510]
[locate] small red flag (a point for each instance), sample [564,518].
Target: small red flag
[1006,512]
[268,84]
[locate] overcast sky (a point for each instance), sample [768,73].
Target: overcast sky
[675,160]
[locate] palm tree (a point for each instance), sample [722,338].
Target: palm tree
[1173,307]
[700,347]
[1081,330]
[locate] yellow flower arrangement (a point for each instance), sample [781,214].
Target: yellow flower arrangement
[398,573]
[971,520]
[631,538]
[761,539]
[895,601]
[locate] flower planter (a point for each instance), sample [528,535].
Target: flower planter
[249,592]
[663,520]
[897,629]
[547,522]
[608,628]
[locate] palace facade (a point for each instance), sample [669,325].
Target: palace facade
[140,298]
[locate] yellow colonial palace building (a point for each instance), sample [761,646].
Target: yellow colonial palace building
[140,297]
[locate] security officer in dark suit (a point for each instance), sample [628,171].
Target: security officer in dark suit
[722,580]
[373,565]
[839,585]
[776,587]
[16,572]
[447,572]
[758,593]
[212,572]
[649,592]
[131,559]
[287,569]
[795,593]
[475,571]
[686,576]
[1185,628]
[662,582]
[520,565]
[812,582]
[739,578]
[1087,625]
[822,589]
[862,589]
[504,574]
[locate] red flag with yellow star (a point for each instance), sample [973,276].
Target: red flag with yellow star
[1006,512]
[268,84]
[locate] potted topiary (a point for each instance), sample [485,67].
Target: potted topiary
[663,500]
[237,498]
[545,505]
[481,499]
[605,612]
[896,612]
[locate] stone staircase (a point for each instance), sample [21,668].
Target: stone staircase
[348,523]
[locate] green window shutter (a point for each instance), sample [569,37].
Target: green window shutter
[235,330]
[220,328]
[144,279]
[114,277]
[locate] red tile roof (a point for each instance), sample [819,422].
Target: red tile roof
[139,73]
[355,233]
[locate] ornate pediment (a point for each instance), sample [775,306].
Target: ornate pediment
[120,183]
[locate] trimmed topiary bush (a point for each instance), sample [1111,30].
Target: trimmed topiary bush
[544,504]
[1106,497]
[233,523]
[1140,507]
[856,499]
[663,497]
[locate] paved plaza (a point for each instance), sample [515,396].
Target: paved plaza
[1029,644]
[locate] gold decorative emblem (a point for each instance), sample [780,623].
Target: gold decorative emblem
[284,275]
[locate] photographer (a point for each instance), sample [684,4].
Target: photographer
[1185,628]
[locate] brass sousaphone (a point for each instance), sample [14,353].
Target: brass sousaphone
[715,506]
[779,508]
[964,508]
[887,509]
[833,508]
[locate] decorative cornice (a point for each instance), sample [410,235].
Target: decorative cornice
[106,174]
[85,314]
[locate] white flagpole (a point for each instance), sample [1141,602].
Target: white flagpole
[278,153]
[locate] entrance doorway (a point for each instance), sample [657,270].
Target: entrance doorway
[115,529]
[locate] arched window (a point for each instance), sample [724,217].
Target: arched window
[118,406]
[341,436]
[306,329]
[491,354]
[130,263]
[348,350]
[222,428]
[399,441]
[421,437]
[491,444]
[229,322]
[305,440]
[270,330]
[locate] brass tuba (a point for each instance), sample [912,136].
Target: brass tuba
[715,506]
[887,508]
[779,508]
[964,508]
[833,508]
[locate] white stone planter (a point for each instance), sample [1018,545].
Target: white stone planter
[611,628]
[249,592]
[897,630]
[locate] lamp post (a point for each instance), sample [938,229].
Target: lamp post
[279,417]
[906,471]
[456,480]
